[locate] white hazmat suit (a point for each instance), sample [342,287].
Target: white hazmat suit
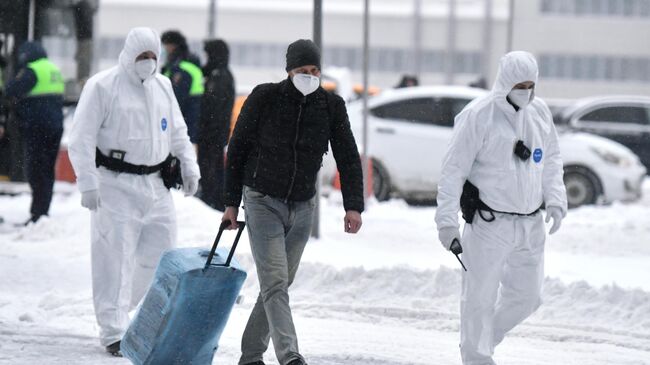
[504,257]
[133,219]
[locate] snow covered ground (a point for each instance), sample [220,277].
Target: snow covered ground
[388,295]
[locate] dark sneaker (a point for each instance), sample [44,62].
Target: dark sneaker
[114,349]
[256,363]
[297,362]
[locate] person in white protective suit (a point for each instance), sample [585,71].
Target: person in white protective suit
[129,115]
[506,145]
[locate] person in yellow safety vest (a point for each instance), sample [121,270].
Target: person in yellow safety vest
[36,92]
[184,70]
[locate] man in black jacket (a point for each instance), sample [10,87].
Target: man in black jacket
[214,126]
[273,159]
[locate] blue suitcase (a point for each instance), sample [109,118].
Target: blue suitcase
[187,306]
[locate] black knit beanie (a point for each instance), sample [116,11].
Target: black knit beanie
[302,52]
[217,51]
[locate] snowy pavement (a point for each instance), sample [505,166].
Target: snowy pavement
[388,295]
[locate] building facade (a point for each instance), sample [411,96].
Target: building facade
[584,47]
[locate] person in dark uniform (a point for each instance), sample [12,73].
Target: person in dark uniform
[214,126]
[36,92]
[184,70]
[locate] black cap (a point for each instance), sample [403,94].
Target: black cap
[302,52]
[173,37]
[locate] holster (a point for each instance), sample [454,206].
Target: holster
[470,204]
[171,173]
[469,201]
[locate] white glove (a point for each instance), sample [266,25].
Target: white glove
[557,215]
[90,199]
[447,236]
[190,185]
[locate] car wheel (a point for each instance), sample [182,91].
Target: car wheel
[582,186]
[380,181]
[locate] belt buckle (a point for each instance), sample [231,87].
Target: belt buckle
[117,154]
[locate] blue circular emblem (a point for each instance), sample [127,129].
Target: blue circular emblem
[163,124]
[537,155]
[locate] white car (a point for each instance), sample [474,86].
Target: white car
[409,130]
[622,118]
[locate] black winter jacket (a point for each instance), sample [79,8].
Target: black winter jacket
[216,106]
[278,145]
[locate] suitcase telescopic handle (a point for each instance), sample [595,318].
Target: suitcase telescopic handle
[222,227]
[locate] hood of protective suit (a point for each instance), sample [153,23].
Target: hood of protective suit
[515,67]
[138,40]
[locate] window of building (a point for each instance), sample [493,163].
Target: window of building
[613,7]
[644,69]
[578,68]
[599,7]
[622,8]
[544,65]
[467,62]
[432,61]
[644,8]
[594,67]
[583,7]
[629,7]
[565,6]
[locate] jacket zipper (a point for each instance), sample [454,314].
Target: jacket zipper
[295,152]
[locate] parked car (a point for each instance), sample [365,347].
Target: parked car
[409,130]
[624,119]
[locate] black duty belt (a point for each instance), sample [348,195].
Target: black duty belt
[470,204]
[485,208]
[118,165]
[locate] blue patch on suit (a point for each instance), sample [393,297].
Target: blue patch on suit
[163,124]
[537,155]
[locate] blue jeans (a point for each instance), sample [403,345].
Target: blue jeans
[278,232]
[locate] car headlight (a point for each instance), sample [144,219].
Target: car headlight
[612,157]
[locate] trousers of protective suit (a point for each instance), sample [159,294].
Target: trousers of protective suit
[134,225]
[503,282]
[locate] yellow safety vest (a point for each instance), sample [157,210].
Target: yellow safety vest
[49,80]
[196,89]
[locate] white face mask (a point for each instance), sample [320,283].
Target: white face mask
[520,97]
[145,68]
[306,84]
